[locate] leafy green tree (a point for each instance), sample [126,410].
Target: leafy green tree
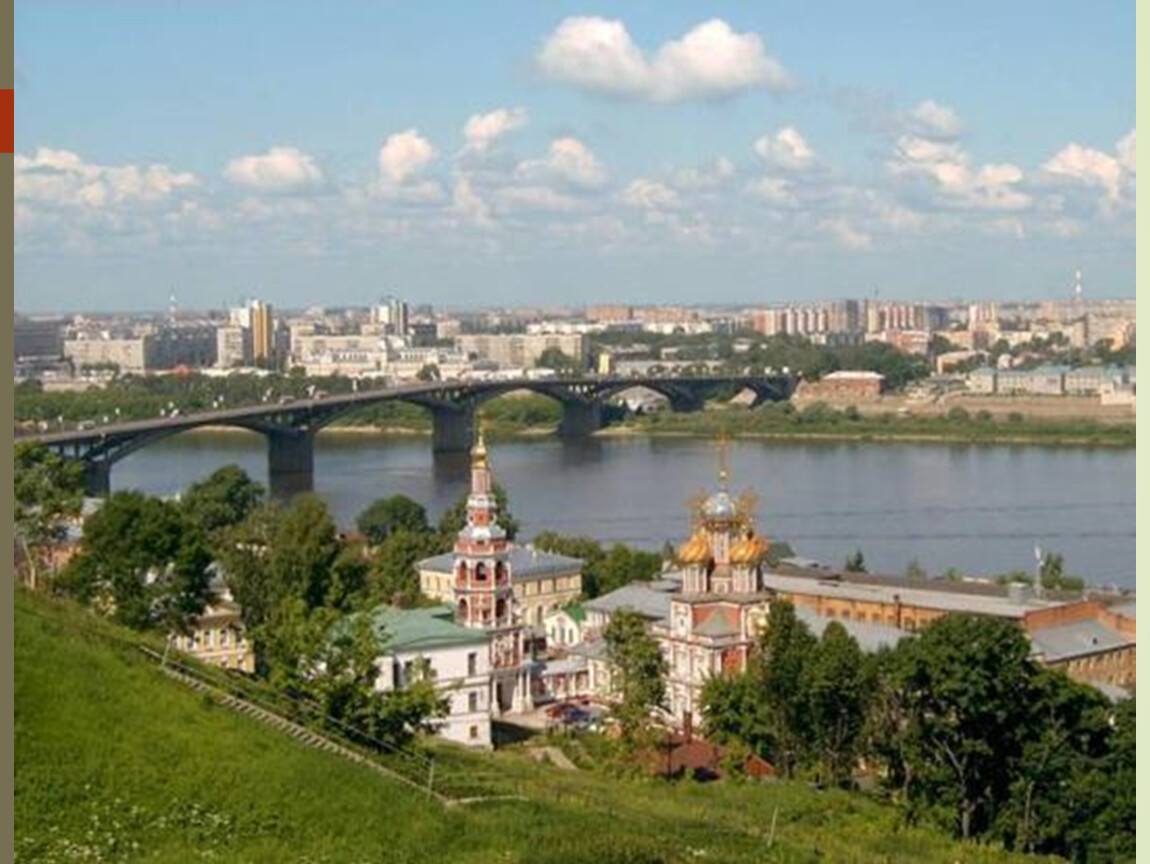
[855,562]
[837,700]
[1053,575]
[1065,737]
[959,687]
[48,491]
[385,516]
[785,649]
[735,713]
[915,572]
[142,561]
[280,553]
[455,517]
[393,578]
[638,672]
[222,500]
[604,570]
[554,358]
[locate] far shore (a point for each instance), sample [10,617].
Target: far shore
[625,431]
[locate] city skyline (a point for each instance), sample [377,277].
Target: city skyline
[576,155]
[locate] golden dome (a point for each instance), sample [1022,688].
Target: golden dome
[697,550]
[750,550]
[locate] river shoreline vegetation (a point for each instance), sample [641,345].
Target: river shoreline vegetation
[961,731]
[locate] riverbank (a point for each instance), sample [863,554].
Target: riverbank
[1111,436]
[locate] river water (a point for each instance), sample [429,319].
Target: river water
[980,509]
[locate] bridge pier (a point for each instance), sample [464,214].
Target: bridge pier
[97,479]
[291,462]
[453,429]
[581,418]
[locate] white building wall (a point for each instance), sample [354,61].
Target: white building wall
[468,720]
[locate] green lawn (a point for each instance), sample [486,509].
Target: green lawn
[115,762]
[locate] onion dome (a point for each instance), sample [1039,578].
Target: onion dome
[750,550]
[720,507]
[697,550]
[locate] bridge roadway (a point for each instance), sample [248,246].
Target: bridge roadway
[290,427]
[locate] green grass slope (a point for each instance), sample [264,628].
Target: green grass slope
[115,762]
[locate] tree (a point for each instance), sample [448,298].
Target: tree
[836,698]
[47,492]
[784,652]
[393,578]
[385,516]
[280,553]
[915,572]
[554,358]
[428,372]
[1052,574]
[455,517]
[1066,735]
[638,671]
[141,561]
[959,688]
[855,562]
[735,713]
[222,500]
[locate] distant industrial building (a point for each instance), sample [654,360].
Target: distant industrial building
[166,348]
[38,338]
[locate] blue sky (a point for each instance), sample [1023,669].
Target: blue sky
[648,152]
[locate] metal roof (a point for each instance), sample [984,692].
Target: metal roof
[1078,639]
[639,596]
[946,601]
[526,564]
[422,629]
[870,637]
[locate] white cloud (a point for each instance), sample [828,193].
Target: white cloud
[536,198]
[711,61]
[568,161]
[704,178]
[468,204]
[402,155]
[649,195]
[1090,167]
[280,169]
[1128,150]
[787,148]
[846,236]
[956,178]
[932,120]
[63,178]
[483,130]
[774,190]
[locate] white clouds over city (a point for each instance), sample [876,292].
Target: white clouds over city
[279,169]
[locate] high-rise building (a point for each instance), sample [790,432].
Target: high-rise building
[263,331]
[392,314]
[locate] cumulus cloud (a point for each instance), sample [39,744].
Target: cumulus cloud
[467,204]
[847,236]
[568,161]
[787,148]
[708,177]
[929,119]
[61,177]
[711,61]
[483,130]
[956,178]
[1089,167]
[649,195]
[402,155]
[774,190]
[280,169]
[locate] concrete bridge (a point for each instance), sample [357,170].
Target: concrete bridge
[290,427]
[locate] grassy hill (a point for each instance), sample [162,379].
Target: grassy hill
[115,762]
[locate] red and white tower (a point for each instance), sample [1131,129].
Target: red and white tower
[484,597]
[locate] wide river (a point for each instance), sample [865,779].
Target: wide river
[981,509]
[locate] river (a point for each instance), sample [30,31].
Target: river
[981,509]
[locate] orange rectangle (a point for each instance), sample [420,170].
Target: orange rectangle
[7,121]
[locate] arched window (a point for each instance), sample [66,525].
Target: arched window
[480,572]
[500,609]
[461,573]
[500,573]
[463,609]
